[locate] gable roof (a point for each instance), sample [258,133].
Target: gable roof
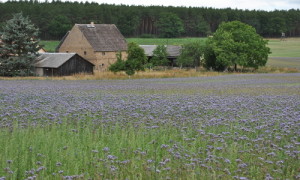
[103,37]
[61,42]
[173,51]
[53,60]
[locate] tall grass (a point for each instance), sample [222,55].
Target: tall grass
[168,73]
[86,150]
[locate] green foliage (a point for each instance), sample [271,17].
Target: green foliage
[59,26]
[128,23]
[236,43]
[170,25]
[119,65]
[135,61]
[159,56]
[191,55]
[203,28]
[19,46]
[134,21]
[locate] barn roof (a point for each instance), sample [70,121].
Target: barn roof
[104,37]
[61,42]
[173,51]
[53,60]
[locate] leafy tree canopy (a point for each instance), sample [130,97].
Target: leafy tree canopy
[170,25]
[191,54]
[136,60]
[19,46]
[160,56]
[119,65]
[235,43]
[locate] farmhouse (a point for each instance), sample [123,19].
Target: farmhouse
[61,64]
[173,52]
[98,43]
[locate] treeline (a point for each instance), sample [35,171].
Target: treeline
[55,18]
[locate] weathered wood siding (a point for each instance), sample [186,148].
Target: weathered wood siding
[73,66]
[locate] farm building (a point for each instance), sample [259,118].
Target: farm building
[61,64]
[173,52]
[98,43]
[42,50]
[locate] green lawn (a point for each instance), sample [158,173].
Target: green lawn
[164,41]
[288,62]
[49,46]
[288,48]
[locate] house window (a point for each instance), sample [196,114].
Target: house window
[84,52]
[103,53]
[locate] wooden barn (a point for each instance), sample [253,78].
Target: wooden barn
[61,64]
[97,43]
[173,52]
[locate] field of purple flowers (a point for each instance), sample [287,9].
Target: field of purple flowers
[226,127]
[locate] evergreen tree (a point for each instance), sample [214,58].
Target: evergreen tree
[19,46]
[59,26]
[170,25]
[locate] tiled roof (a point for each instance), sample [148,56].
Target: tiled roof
[104,37]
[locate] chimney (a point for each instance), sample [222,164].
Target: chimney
[92,25]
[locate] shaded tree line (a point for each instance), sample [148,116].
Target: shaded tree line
[55,18]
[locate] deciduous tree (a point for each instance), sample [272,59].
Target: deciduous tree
[191,55]
[136,60]
[160,56]
[236,43]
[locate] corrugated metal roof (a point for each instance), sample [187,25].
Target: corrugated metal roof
[104,37]
[52,60]
[173,51]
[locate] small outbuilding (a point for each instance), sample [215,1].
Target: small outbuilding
[172,51]
[62,64]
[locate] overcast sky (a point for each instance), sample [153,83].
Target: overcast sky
[268,5]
